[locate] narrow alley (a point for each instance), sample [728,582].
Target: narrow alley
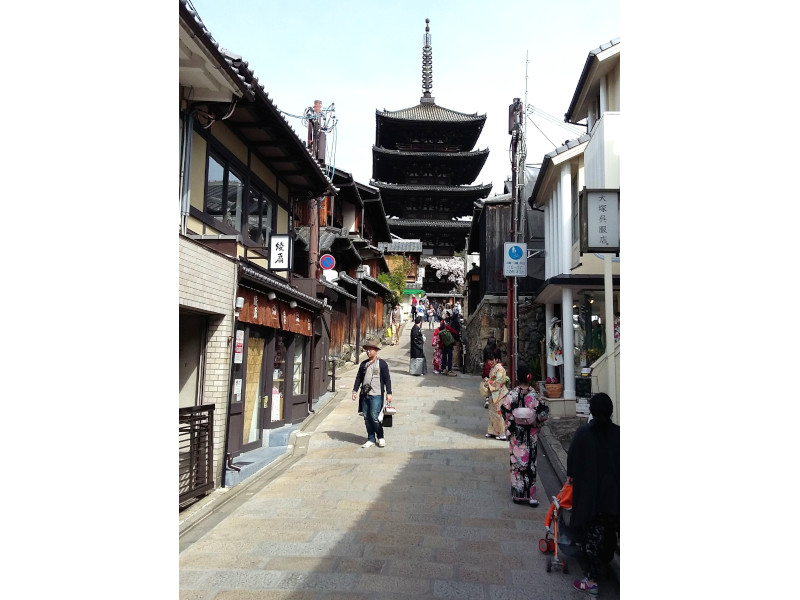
[428,516]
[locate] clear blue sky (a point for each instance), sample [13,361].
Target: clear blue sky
[367,55]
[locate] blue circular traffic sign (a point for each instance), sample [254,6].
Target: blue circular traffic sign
[515,252]
[326,261]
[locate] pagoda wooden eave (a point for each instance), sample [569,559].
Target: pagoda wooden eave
[394,190]
[461,167]
[429,112]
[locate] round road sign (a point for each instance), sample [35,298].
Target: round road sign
[326,261]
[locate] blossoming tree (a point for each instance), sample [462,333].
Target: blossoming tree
[449,267]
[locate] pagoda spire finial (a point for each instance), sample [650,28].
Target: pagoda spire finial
[427,65]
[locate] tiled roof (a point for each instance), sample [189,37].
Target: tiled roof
[344,278]
[256,274]
[591,60]
[568,145]
[374,282]
[604,47]
[548,162]
[209,40]
[429,223]
[402,247]
[430,112]
[338,289]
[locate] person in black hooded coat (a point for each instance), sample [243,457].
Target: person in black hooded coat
[593,468]
[417,367]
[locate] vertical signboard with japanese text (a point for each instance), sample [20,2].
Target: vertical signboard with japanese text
[279,253]
[600,221]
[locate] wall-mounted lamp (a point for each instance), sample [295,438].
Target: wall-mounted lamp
[292,304]
[324,303]
[239,303]
[271,296]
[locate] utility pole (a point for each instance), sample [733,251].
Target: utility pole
[515,116]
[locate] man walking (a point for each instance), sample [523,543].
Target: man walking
[397,319]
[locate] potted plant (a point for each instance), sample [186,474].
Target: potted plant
[553,388]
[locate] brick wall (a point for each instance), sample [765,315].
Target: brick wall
[207,282]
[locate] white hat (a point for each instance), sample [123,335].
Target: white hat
[554,320]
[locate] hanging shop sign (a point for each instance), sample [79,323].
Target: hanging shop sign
[259,309]
[515,259]
[280,252]
[599,215]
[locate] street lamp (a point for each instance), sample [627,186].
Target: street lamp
[359,277]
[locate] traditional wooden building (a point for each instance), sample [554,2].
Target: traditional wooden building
[250,320]
[424,164]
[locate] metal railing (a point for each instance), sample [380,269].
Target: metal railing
[195,451]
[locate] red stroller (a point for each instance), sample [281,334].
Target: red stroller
[558,514]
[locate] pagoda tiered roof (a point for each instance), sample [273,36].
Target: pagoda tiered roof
[443,234]
[430,112]
[435,200]
[458,168]
[423,163]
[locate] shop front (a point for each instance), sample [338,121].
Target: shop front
[269,376]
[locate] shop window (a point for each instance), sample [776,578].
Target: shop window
[576,222]
[298,368]
[252,403]
[278,377]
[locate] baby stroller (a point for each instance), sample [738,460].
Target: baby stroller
[557,536]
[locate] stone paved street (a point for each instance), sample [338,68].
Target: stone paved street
[429,516]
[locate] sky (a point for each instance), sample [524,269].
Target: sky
[367,55]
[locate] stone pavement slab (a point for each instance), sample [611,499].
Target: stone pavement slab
[429,516]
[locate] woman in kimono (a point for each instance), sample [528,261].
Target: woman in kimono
[497,386]
[523,437]
[417,364]
[437,351]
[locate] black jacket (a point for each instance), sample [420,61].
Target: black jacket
[417,347]
[386,380]
[593,464]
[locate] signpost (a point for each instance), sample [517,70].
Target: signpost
[515,259]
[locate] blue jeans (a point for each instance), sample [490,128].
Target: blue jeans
[371,411]
[447,358]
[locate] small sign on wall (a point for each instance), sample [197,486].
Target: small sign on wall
[238,350]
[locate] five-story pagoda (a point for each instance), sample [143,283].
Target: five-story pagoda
[423,163]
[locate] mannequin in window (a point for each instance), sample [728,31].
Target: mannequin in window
[555,350]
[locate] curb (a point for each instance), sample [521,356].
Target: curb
[555,453]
